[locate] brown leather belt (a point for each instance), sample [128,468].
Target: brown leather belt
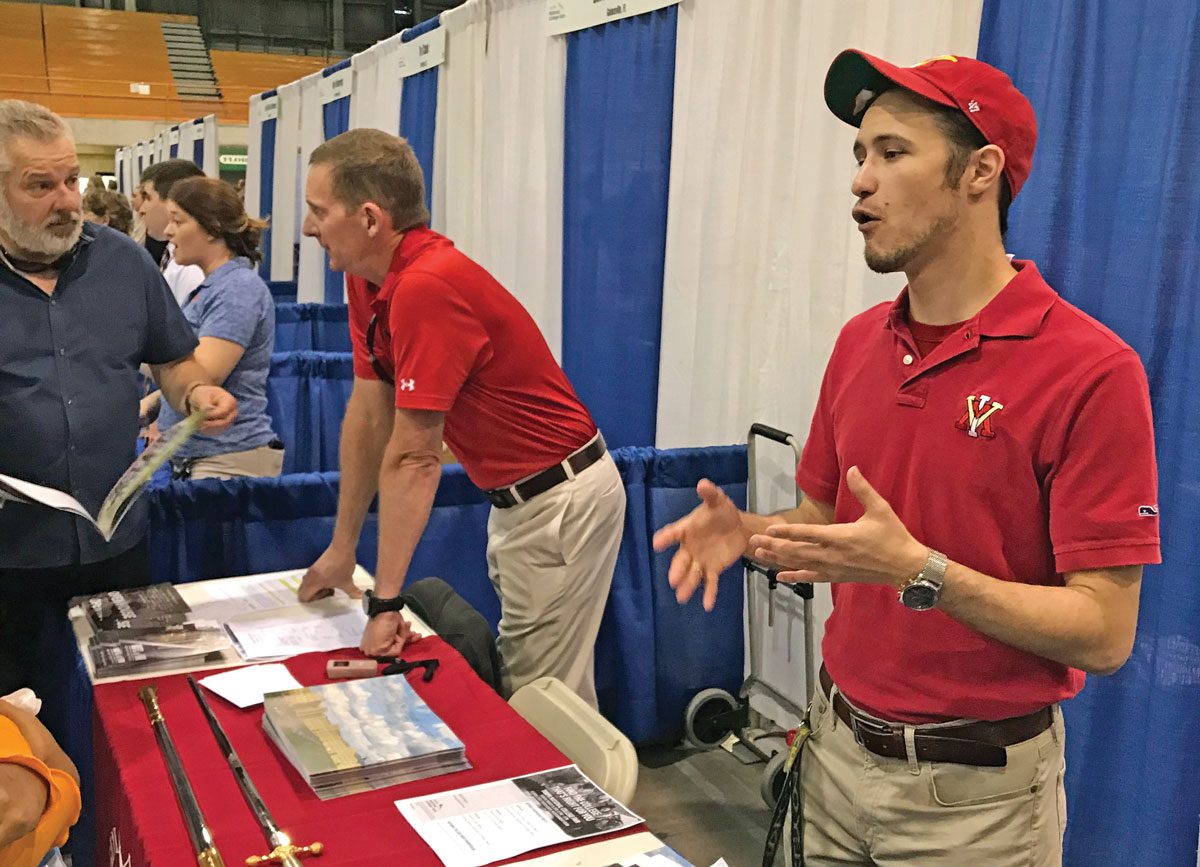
[970,743]
[506,498]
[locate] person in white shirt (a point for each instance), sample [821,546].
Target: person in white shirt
[156,184]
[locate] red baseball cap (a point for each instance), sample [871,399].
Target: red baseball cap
[980,91]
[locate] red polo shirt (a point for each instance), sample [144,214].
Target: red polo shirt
[1021,447]
[457,342]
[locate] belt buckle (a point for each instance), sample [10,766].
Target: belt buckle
[859,725]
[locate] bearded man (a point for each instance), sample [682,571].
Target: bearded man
[81,307]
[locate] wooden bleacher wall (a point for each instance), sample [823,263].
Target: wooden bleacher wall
[80,63]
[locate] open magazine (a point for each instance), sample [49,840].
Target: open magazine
[122,495]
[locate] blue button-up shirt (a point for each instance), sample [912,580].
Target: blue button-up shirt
[69,391]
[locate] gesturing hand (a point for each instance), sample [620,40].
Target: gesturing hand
[710,538]
[875,549]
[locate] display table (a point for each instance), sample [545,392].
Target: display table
[139,823]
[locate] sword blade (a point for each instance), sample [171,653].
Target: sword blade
[193,819]
[255,801]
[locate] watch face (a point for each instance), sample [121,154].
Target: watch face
[366,602]
[919,596]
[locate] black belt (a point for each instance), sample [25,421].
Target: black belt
[523,492]
[970,743]
[183,469]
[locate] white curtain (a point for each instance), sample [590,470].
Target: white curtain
[763,263]
[253,192]
[129,172]
[208,129]
[184,148]
[458,145]
[287,158]
[498,158]
[375,98]
[310,282]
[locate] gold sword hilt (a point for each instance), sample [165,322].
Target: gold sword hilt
[209,857]
[149,697]
[288,855]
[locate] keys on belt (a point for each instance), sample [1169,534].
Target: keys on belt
[982,744]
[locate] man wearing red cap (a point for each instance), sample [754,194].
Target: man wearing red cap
[980,492]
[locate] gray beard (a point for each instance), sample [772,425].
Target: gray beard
[37,243]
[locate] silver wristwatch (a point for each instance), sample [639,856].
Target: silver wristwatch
[922,592]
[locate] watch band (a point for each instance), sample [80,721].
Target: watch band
[923,591]
[374,605]
[935,569]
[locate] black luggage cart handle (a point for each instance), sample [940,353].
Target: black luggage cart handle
[772,433]
[804,591]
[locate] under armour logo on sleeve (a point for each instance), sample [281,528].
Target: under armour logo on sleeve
[406,384]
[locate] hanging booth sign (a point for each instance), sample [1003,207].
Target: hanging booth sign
[567,16]
[173,136]
[336,86]
[269,108]
[424,52]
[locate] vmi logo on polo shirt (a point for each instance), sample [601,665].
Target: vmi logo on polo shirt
[977,420]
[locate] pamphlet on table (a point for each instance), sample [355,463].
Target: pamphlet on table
[221,622]
[479,825]
[356,735]
[631,850]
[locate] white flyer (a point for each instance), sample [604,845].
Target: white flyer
[245,687]
[494,821]
[292,631]
[628,850]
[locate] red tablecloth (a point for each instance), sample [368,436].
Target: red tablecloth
[139,822]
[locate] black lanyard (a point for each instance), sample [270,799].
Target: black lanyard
[376,364]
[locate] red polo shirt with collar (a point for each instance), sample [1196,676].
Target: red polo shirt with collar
[1021,446]
[457,342]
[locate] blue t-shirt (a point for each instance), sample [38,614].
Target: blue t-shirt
[69,391]
[234,304]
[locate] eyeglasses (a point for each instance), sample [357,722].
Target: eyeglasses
[376,364]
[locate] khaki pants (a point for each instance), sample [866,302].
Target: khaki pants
[262,461]
[551,561]
[863,809]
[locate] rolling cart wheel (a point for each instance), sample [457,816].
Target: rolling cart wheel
[771,785]
[701,722]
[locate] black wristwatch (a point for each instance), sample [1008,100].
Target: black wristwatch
[373,605]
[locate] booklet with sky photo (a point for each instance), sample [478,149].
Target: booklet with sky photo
[122,495]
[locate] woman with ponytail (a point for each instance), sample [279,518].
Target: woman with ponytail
[234,317]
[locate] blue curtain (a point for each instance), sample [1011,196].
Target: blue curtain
[418,109]
[198,146]
[318,327]
[337,120]
[266,186]
[1111,214]
[619,97]
[283,291]
[307,394]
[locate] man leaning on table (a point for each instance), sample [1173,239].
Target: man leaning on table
[443,351]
